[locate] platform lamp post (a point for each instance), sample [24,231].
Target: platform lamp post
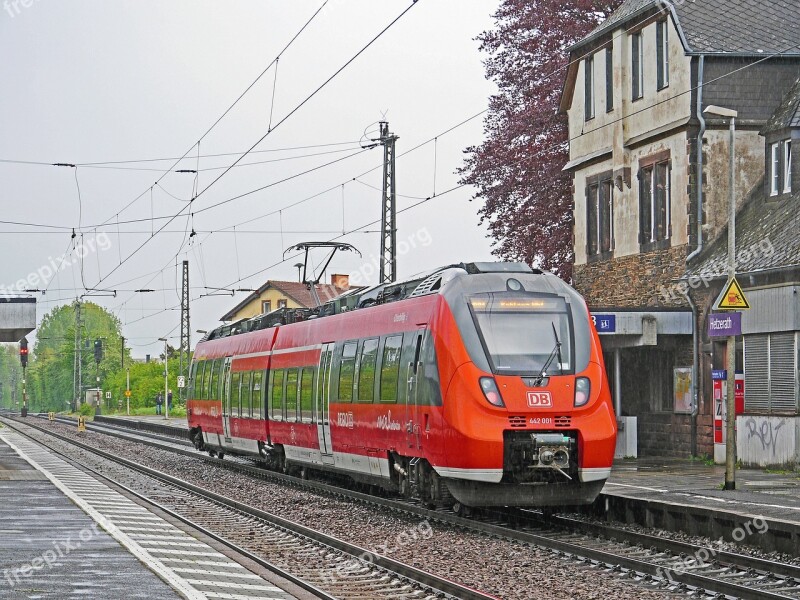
[730,402]
[166,378]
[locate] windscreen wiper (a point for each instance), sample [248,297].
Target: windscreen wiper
[556,351]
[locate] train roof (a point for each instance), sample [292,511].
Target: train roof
[423,284]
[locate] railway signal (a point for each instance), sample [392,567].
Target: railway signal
[98,351]
[23,352]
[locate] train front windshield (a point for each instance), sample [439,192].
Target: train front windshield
[521,333]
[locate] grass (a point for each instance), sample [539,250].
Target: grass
[705,459]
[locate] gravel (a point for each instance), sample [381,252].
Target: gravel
[504,568]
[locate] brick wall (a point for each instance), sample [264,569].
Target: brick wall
[665,434]
[638,280]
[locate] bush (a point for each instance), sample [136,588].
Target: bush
[86,410]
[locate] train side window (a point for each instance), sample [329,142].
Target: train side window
[245,396]
[291,395]
[206,380]
[277,395]
[307,394]
[390,368]
[347,369]
[236,379]
[258,377]
[214,381]
[196,381]
[366,371]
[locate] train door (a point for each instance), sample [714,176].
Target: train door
[225,387]
[323,404]
[412,352]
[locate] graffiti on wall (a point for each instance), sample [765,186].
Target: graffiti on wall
[767,433]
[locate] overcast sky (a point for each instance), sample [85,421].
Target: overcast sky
[100,81]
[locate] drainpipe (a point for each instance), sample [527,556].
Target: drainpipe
[699,175]
[696,252]
[695,373]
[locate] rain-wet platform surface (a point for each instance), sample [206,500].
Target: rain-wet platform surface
[50,548]
[692,488]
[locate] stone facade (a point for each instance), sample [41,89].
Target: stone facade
[634,281]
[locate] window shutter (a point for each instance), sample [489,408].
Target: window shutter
[635,65]
[756,368]
[660,53]
[588,218]
[609,79]
[783,372]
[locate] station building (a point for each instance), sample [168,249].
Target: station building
[650,184]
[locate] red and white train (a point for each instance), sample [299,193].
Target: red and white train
[482,384]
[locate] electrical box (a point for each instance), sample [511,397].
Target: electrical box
[627,438]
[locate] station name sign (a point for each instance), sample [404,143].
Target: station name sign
[725,324]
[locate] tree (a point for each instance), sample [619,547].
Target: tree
[517,170]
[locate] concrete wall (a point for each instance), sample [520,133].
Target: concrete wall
[767,441]
[716,173]
[17,318]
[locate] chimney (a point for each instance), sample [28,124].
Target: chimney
[340,281]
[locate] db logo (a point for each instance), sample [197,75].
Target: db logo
[540,399]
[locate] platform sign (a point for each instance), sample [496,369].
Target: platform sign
[725,324]
[181,381]
[108,395]
[733,297]
[605,323]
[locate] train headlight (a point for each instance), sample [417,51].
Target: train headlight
[490,391]
[583,389]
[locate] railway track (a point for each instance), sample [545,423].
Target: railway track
[674,565]
[328,567]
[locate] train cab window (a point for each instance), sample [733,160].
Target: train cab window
[366,371]
[291,395]
[347,370]
[245,395]
[236,379]
[390,368]
[277,395]
[195,380]
[258,378]
[307,394]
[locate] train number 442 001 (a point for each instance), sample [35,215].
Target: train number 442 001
[540,421]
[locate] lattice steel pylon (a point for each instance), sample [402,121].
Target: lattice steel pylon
[183,365]
[388,266]
[77,375]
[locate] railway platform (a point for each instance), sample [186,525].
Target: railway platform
[65,533]
[686,495]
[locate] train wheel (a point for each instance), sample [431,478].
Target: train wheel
[462,510]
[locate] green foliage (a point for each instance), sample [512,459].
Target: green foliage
[51,372]
[86,410]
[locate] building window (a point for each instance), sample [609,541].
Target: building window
[637,60]
[654,202]
[776,169]
[266,306]
[599,215]
[787,166]
[609,80]
[662,53]
[588,70]
[281,303]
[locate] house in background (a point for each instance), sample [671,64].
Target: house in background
[285,294]
[650,184]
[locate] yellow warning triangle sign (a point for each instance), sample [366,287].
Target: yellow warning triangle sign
[733,297]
